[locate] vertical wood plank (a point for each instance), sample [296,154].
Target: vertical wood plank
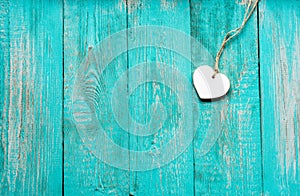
[280,95]
[31,97]
[4,62]
[175,178]
[233,164]
[86,24]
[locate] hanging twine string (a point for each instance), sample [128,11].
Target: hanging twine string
[231,34]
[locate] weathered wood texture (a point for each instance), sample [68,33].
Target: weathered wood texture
[247,143]
[233,165]
[31,97]
[86,23]
[177,177]
[279,32]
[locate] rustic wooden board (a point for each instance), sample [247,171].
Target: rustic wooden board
[247,143]
[233,165]
[31,98]
[175,178]
[280,95]
[87,23]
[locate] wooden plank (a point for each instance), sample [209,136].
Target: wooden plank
[175,178]
[280,95]
[4,60]
[233,165]
[31,98]
[86,24]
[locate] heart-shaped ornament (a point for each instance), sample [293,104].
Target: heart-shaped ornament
[208,87]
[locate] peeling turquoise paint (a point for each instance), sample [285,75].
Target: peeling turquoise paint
[43,44]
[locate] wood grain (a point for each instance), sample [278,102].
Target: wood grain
[175,178]
[43,45]
[280,95]
[86,24]
[233,165]
[31,98]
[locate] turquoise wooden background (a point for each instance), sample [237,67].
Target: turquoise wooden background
[258,149]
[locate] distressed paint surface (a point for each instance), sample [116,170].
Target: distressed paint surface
[31,98]
[86,24]
[233,165]
[42,46]
[175,178]
[280,95]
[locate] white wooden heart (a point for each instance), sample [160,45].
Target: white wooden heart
[207,87]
